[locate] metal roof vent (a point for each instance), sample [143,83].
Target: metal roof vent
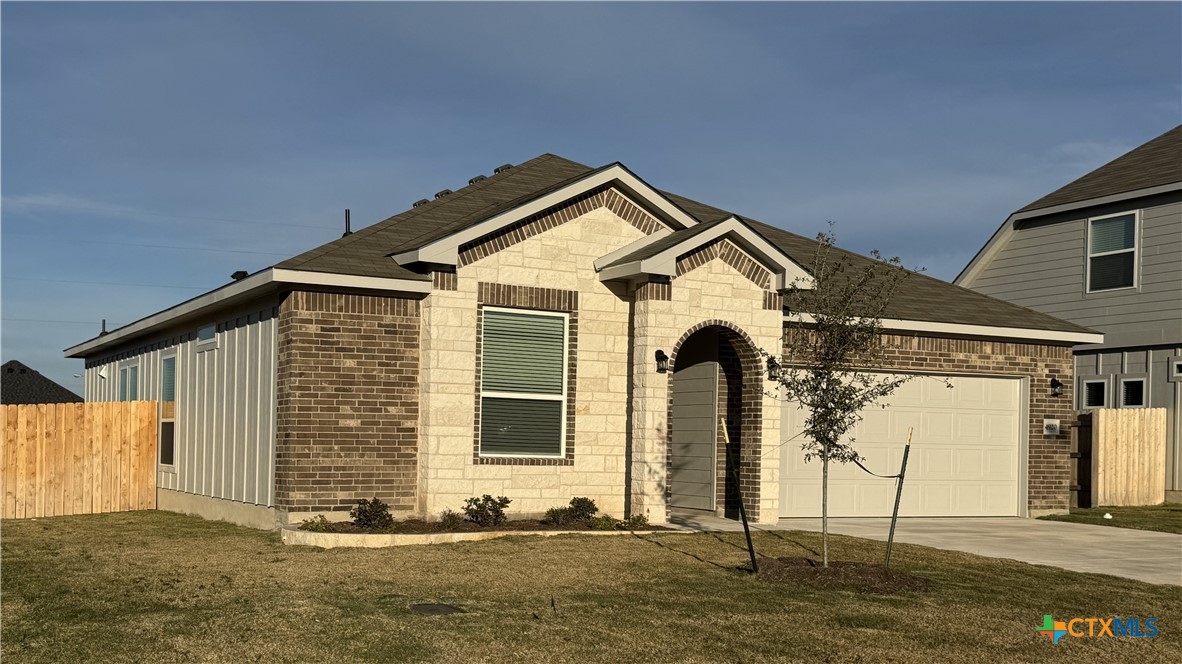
[441,194]
[478,178]
[239,275]
[419,203]
[502,168]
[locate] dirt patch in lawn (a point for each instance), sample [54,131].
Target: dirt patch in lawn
[418,527]
[867,578]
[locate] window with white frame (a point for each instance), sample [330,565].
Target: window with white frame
[207,337]
[1095,393]
[1112,252]
[129,382]
[1132,392]
[168,411]
[523,383]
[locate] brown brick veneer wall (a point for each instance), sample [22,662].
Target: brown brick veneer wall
[348,401]
[1048,461]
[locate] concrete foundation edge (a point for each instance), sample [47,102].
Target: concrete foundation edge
[218,509]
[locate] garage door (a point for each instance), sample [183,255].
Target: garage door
[965,454]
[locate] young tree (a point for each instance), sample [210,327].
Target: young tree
[832,341]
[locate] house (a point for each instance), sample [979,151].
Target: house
[556,330]
[21,385]
[1105,251]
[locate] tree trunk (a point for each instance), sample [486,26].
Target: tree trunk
[825,507]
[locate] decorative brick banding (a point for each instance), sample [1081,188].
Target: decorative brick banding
[576,207]
[348,401]
[444,280]
[543,299]
[739,360]
[731,255]
[654,290]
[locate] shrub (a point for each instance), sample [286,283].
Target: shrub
[635,522]
[486,510]
[372,515]
[450,519]
[582,509]
[559,516]
[604,522]
[317,524]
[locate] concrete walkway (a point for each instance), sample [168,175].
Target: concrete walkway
[1135,554]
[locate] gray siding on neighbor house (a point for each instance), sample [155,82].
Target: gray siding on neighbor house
[1153,364]
[1043,267]
[225,402]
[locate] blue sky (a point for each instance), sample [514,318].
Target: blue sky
[167,146]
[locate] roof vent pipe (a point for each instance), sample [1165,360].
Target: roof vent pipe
[104,330]
[441,194]
[502,168]
[478,178]
[348,226]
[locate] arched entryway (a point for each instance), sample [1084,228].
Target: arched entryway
[715,385]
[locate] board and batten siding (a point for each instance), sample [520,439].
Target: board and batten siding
[1043,267]
[225,404]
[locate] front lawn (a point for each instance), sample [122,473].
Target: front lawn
[156,586]
[1166,518]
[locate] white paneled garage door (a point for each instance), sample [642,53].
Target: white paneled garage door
[965,454]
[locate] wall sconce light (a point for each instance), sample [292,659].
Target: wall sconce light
[1056,387]
[773,369]
[662,362]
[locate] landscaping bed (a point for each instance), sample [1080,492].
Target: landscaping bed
[871,578]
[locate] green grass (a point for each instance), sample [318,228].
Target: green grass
[156,586]
[1166,518]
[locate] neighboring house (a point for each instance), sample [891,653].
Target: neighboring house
[555,330]
[1105,251]
[21,385]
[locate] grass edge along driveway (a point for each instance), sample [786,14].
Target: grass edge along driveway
[165,587]
[1165,518]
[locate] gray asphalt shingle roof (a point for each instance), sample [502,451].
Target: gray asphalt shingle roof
[1155,163]
[20,384]
[366,252]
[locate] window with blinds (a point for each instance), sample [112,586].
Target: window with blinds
[523,383]
[168,411]
[1112,252]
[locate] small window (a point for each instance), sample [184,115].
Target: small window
[1132,392]
[207,338]
[1112,252]
[523,384]
[129,381]
[167,444]
[1175,372]
[1094,393]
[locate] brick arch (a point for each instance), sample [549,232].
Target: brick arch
[741,399]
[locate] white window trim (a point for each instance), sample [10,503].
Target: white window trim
[1136,250]
[1083,393]
[207,344]
[171,354]
[1174,368]
[126,366]
[528,396]
[1144,380]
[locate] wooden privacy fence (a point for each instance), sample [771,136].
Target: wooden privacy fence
[1120,457]
[79,458]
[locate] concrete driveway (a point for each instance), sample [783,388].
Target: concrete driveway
[1135,554]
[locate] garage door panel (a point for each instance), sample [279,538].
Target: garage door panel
[964,456]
